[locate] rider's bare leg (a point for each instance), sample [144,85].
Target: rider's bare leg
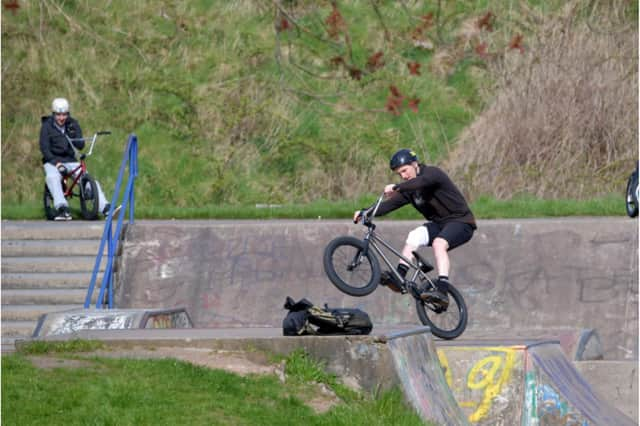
[407,252]
[440,247]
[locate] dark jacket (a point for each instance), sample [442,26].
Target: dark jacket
[54,145]
[434,195]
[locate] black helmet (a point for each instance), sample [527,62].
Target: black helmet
[402,157]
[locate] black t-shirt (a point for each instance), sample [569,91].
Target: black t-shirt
[434,195]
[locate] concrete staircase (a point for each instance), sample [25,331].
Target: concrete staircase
[46,267]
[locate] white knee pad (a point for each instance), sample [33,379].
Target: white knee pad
[419,237]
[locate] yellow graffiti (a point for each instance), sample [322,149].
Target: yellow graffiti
[444,362]
[488,375]
[160,321]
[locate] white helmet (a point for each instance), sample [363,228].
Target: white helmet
[60,105]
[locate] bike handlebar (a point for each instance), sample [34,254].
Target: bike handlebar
[369,213]
[92,139]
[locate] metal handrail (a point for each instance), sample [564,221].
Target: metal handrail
[130,158]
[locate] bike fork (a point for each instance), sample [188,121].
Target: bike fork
[357,259]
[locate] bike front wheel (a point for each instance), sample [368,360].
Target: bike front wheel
[447,324]
[49,209]
[632,199]
[352,268]
[89,197]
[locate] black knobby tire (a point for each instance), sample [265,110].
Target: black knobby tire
[49,209]
[448,324]
[339,256]
[88,197]
[631,198]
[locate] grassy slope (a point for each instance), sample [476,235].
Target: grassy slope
[225,111]
[166,391]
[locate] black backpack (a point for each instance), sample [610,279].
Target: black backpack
[305,318]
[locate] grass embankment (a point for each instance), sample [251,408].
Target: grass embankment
[238,103]
[94,390]
[483,208]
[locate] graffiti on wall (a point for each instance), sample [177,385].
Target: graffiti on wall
[485,381]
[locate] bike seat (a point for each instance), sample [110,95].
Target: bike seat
[424,265]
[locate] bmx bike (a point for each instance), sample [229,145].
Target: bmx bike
[352,266]
[633,193]
[77,183]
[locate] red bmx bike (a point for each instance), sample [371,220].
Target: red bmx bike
[77,183]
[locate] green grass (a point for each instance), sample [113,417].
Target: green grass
[170,392]
[67,346]
[230,113]
[220,121]
[483,208]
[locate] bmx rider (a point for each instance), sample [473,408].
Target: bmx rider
[450,221]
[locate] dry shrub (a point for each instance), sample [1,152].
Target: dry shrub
[563,122]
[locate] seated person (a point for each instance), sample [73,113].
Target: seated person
[58,155]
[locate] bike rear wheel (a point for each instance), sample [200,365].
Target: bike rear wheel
[448,324]
[631,198]
[49,209]
[88,197]
[350,268]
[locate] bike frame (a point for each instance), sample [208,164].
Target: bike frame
[371,239]
[83,169]
[83,165]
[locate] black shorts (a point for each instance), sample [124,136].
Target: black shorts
[455,233]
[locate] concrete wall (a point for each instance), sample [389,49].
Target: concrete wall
[514,274]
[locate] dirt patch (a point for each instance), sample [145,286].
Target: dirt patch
[324,400]
[49,362]
[242,363]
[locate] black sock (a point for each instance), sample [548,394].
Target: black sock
[443,278]
[402,269]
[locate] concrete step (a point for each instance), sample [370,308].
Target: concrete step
[41,248]
[615,381]
[24,280]
[32,312]
[50,264]
[50,230]
[18,328]
[45,296]
[8,345]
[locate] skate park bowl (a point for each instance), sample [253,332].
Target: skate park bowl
[535,290]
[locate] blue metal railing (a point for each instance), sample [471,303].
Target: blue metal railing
[111,238]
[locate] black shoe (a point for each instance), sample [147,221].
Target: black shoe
[435,296]
[62,214]
[387,279]
[438,295]
[105,211]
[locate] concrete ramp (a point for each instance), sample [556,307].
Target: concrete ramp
[423,382]
[525,382]
[74,320]
[557,394]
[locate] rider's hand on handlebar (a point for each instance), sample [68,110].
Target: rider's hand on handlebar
[61,168]
[389,190]
[357,215]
